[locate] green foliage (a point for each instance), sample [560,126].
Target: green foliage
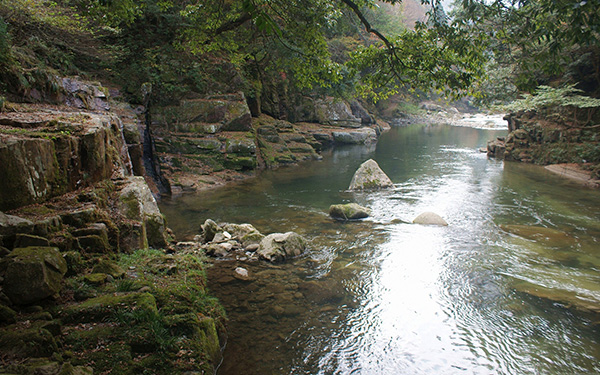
[5,54]
[533,43]
[549,97]
[426,58]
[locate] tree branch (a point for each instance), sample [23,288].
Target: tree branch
[243,18]
[389,45]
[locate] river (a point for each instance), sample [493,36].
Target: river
[509,287]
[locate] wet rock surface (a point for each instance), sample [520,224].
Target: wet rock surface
[348,211]
[370,176]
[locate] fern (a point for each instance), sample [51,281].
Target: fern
[547,97]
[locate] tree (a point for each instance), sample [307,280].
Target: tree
[289,38]
[537,42]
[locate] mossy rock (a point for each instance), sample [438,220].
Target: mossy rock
[105,306]
[74,261]
[240,163]
[349,211]
[27,240]
[7,315]
[42,267]
[26,342]
[96,278]
[109,267]
[93,243]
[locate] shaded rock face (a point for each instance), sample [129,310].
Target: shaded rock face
[46,154]
[370,176]
[216,113]
[356,137]
[430,218]
[330,111]
[350,211]
[279,246]
[33,274]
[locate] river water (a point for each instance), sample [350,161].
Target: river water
[511,286]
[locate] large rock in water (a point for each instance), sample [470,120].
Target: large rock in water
[349,211]
[370,176]
[33,273]
[430,218]
[279,246]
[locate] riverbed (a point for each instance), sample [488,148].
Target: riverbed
[510,286]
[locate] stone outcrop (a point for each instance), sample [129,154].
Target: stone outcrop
[207,116]
[430,218]
[137,203]
[335,112]
[349,211]
[32,274]
[44,154]
[356,137]
[534,138]
[370,176]
[277,247]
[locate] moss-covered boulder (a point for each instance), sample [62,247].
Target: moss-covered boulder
[349,211]
[370,176]
[108,267]
[19,342]
[33,274]
[279,246]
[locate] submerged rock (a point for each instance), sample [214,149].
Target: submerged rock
[549,236]
[430,218]
[370,176]
[349,211]
[280,246]
[33,274]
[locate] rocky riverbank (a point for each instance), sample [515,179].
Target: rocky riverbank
[571,152]
[208,142]
[91,278]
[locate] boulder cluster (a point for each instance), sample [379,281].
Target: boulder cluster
[244,242]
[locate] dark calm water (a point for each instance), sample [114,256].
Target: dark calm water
[383,296]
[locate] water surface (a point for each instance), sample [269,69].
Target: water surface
[384,296]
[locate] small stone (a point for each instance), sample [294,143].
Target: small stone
[241,273]
[252,247]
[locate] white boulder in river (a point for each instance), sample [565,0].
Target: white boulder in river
[430,218]
[277,247]
[370,176]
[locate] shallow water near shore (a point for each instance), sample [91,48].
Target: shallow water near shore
[511,286]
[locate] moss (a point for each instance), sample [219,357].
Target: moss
[96,278]
[132,206]
[108,267]
[17,342]
[105,306]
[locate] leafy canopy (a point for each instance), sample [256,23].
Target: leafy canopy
[291,38]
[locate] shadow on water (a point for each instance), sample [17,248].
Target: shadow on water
[510,286]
